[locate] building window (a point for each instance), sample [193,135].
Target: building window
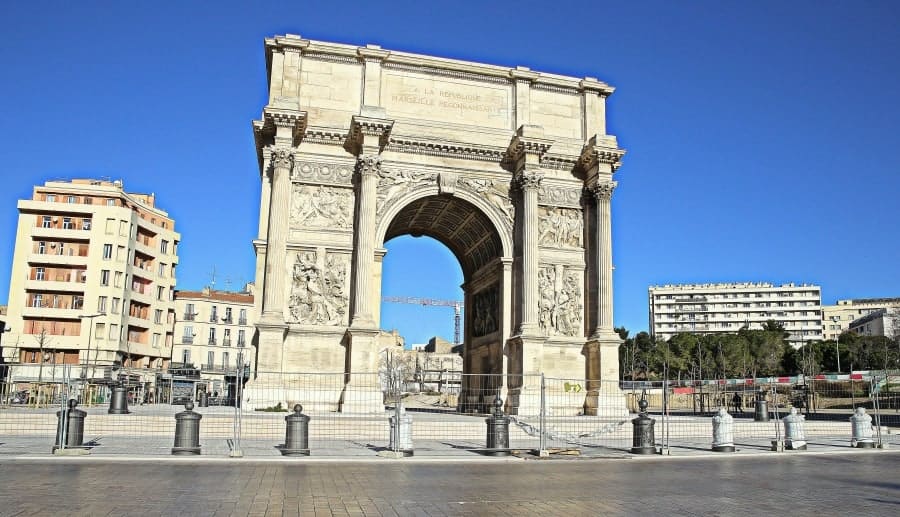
[114,331]
[42,247]
[213,314]
[164,246]
[160,292]
[100,331]
[104,277]
[188,336]
[212,336]
[51,197]
[101,304]
[78,302]
[37,300]
[210,360]
[155,342]
[120,253]
[117,282]
[240,342]
[88,200]
[71,199]
[228,315]
[107,251]
[224,360]
[85,224]
[226,338]
[242,318]
[39,273]
[46,221]
[157,318]
[67,223]
[114,307]
[162,269]
[186,356]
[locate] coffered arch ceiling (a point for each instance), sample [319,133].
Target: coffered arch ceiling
[456,223]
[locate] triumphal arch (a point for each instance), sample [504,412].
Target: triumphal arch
[510,168]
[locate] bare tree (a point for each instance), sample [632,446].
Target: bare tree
[395,368]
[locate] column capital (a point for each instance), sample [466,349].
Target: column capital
[601,150]
[529,179]
[603,190]
[280,157]
[368,164]
[282,123]
[369,131]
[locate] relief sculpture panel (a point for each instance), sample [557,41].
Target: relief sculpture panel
[495,192]
[561,304]
[393,183]
[321,207]
[560,227]
[487,312]
[319,288]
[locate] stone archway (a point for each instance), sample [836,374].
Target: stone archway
[511,169]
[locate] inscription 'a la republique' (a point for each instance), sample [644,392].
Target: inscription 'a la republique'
[446,99]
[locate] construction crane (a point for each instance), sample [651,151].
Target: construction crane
[457,308]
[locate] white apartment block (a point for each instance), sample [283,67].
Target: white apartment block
[726,308]
[837,318]
[214,333]
[92,279]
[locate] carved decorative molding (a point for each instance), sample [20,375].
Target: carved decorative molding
[319,289]
[321,207]
[560,228]
[330,58]
[463,151]
[318,172]
[560,196]
[554,88]
[361,126]
[281,157]
[325,136]
[561,305]
[393,183]
[601,150]
[495,192]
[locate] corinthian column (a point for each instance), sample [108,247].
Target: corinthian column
[603,193]
[529,182]
[276,242]
[367,168]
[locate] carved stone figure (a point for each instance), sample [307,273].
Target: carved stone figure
[496,193]
[560,227]
[321,207]
[393,183]
[561,307]
[318,291]
[486,312]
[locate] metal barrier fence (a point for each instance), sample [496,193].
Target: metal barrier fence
[351,414]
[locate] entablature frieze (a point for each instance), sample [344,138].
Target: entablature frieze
[568,194]
[334,173]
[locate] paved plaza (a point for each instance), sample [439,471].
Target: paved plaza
[862,483]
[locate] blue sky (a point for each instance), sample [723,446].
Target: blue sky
[763,136]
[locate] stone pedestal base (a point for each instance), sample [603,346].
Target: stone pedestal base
[362,399]
[608,403]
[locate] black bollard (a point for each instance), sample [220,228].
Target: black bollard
[497,431]
[204,399]
[296,434]
[187,431]
[643,438]
[762,407]
[73,436]
[118,404]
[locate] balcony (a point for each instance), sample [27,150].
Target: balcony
[187,340]
[242,321]
[213,318]
[226,341]
[52,313]
[48,285]
[211,368]
[241,343]
[54,258]
[189,316]
[227,320]
[212,341]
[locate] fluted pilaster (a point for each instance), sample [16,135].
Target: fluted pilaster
[367,167]
[529,182]
[602,192]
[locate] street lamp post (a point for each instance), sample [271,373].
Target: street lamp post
[837,348]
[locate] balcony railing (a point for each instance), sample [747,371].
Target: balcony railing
[242,321]
[226,342]
[212,318]
[189,316]
[187,340]
[227,320]
[212,341]
[241,343]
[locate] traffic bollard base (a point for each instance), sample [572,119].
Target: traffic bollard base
[496,452]
[185,451]
[865,445]
[70,451]
[723,448]
[294,452]
[643,450]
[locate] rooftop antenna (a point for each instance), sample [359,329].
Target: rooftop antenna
[212,283]
[228,283]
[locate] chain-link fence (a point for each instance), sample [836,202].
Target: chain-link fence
[351,414]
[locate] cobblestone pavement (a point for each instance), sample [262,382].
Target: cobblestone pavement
[859,483]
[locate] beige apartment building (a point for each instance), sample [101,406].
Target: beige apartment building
[881,322]
[92,279]
[837,318]
[727,307]
[214,333]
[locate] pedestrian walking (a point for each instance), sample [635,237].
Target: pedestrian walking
[737,403]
